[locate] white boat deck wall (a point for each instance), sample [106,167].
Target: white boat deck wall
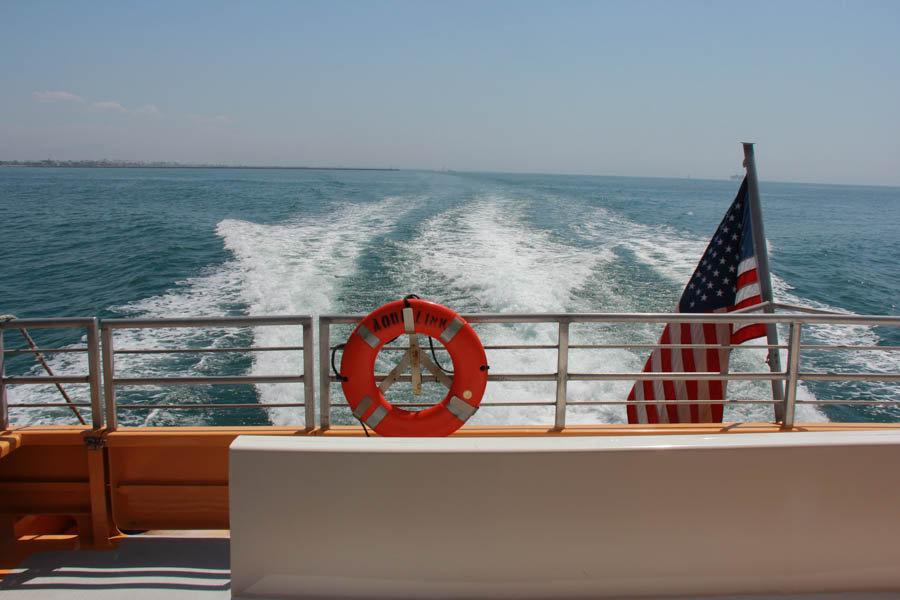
[572,517]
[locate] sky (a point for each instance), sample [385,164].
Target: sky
[639,88]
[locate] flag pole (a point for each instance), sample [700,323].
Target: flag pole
[765,277]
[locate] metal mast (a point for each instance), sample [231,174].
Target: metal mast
[765,278]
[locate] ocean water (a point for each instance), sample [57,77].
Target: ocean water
[194,242]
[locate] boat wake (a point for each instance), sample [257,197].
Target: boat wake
[490,252]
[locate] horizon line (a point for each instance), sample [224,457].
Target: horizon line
[158,164]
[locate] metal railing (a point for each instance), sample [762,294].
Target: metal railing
[105,405]
[104,383]
[112,382]
[790,377]
[92,378]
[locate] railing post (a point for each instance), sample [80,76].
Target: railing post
[4,408]
[93,342]
[109,372]
[309,376]
[793,367]
[324,373]
[562,374]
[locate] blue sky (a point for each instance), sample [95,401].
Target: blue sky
[639,88]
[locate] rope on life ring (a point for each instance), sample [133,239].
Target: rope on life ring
[414,316]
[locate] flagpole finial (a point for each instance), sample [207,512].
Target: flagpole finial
[748,152]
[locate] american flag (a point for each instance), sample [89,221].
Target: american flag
[725,280]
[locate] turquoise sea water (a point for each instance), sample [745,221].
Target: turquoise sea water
[193,242]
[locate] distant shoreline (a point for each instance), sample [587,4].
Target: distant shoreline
[100,164]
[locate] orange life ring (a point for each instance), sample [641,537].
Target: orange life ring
[383,325]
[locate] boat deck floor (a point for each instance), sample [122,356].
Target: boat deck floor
[178,567]
[142,567]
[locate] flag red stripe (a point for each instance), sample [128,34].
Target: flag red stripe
[687,357]
[746,278]
[711,289]
[748,333]
[668,385]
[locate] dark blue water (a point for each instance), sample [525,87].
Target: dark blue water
[191,242]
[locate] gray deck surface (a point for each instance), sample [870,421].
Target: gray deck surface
[145,567]
[141,567]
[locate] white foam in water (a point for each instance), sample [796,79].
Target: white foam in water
[43,394]
[839,335]
[486,258]
[297,268]
[289,268]
[484,251]
[673,254]
[203,296]
[489,253]
[482,257]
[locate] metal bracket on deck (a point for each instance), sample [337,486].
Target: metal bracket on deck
[95,442]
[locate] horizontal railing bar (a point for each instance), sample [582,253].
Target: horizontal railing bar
[204,406]
[607,347]
[442,349]
[486,347]
[675,346]
[518,404]
[570,403]
[44,350]
[748,376]
[206,322]
[522,377]
[851,402]
[805,310]
[593,403]
[29,380]
[828,318]
[886,348]
[200,350]
[684,318]
[657,402]
[49,405]
[41,323]
[496,377]
[849,376]
[351,319]
[754,308]
[614,347]
[522,347]
[222,380]
[393,348]
[699,376]
[426,405]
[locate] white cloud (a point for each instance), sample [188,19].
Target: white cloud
[148,110]
[57,97]
[109,106]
